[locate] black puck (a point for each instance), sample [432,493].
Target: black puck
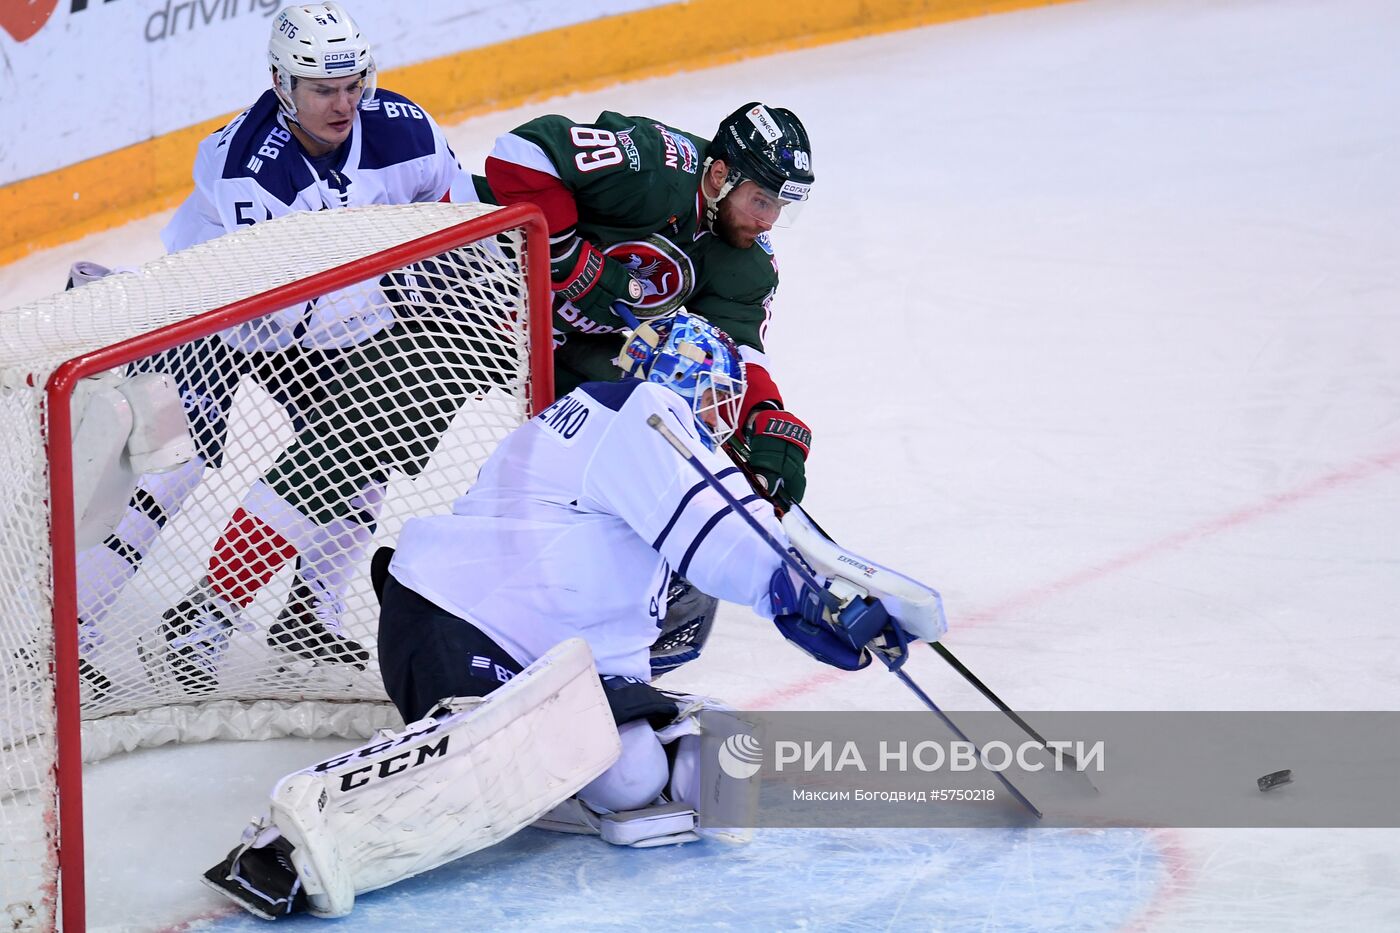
[1270,781]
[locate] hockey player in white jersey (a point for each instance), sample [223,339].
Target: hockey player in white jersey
[322,137]
[515,634]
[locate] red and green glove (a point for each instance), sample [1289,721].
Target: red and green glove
[778,442]
[592,282]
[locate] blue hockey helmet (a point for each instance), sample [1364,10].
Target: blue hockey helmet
[696,360]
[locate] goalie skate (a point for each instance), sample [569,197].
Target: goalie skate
[260,880]
[189,643]
[308,628]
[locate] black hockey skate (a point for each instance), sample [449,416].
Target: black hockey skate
[190,642]
[261,881]
[300,630]
[96,681]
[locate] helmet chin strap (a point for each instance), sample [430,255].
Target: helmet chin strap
[289,107]
[712,203]
[314,138]
[282,87]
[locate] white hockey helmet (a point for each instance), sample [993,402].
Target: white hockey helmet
[316,40]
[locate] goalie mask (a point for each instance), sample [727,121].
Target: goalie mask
[316,40]
[697,361]
[768,146]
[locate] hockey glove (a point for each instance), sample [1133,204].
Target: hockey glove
[778,442]
[840,637]
[591,282]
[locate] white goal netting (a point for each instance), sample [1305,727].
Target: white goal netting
[230,597]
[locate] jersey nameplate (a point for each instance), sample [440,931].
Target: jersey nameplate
[565,419]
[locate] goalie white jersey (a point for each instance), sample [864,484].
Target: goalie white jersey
[577,521]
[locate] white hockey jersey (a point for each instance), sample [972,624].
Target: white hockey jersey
[577,521]
[254,170]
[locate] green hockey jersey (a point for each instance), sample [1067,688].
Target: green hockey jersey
[630,185]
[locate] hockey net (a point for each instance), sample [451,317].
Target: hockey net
[352,368]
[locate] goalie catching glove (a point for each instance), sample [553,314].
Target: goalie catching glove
[883,612]
[590,281]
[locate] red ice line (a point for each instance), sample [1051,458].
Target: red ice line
[1347,476]
[1178,876]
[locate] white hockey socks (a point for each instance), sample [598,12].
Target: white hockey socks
[330,555]
[105,568]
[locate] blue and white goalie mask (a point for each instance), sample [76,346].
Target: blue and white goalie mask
[696,360]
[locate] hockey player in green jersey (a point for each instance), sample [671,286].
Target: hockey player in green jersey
[658,218]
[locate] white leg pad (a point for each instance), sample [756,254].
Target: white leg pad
[443,788]
[636,779]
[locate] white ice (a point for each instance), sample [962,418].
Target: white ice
[1094,318]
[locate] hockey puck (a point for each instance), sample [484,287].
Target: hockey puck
[1270,781]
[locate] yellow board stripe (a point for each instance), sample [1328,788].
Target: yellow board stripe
[111,189]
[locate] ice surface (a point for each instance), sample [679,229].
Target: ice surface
[1093,316]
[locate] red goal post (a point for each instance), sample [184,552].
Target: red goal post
[475,279]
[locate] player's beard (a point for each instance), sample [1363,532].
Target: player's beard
[730,224]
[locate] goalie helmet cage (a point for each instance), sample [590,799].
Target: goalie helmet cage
[414,338]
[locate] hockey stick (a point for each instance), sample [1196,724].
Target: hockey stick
[624,312]
[909,682]
[986,691]
[828,599]
[826,596]
[947,655]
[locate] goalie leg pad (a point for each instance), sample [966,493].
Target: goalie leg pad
[448,786]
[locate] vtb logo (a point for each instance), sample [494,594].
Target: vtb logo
[23,18]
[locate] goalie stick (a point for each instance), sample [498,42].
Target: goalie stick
[946,654]
[737,453]
[1000,704]
[827,598]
